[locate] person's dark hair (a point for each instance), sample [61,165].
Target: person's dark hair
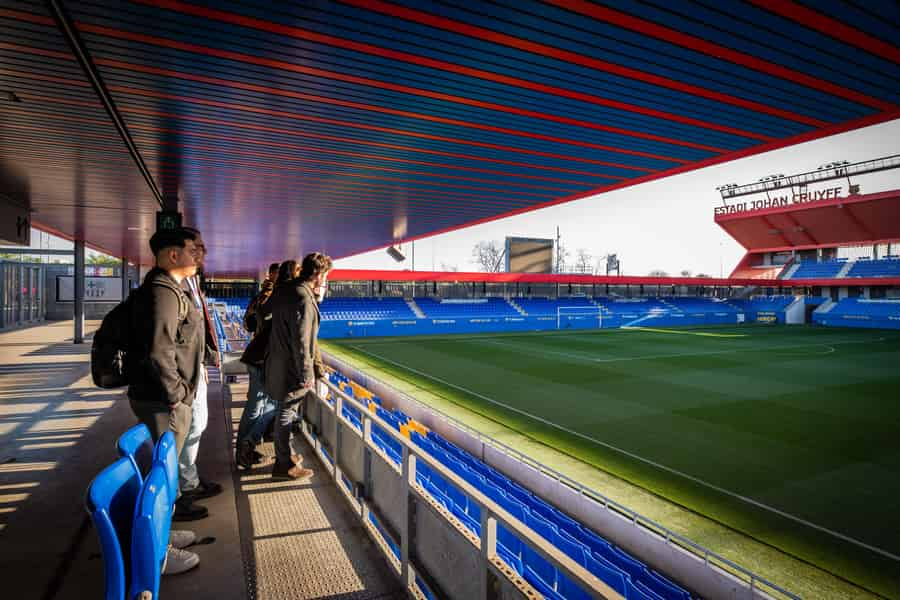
[313,264]
[169,239]
[273,268]
[286,271]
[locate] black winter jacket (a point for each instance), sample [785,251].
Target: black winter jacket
[167,342]
[293,347]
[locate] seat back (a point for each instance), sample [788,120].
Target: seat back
[136,444]
[110,502]
[150,533]
[166,454]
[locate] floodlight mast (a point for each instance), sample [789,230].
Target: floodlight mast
[841,169]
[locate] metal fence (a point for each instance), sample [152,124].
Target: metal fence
[436,549]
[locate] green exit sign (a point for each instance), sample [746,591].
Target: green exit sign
[168,220]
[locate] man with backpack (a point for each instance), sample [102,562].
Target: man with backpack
[164,359]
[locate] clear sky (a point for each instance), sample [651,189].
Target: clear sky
[665,224]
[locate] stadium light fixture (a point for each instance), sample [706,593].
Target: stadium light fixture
[395,253]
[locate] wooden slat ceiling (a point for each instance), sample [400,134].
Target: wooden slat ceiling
[344,126]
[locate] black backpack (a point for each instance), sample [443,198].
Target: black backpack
[110,346]
[113,340]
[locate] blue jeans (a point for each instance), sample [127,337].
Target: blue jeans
[259,410]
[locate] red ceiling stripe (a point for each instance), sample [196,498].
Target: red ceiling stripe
[359,176]
[288,158]
[301,133]
[277,144]
[619,19]
[831,27]
[285,66]
[572,57]
[305,34]
[18,15]
[302,117]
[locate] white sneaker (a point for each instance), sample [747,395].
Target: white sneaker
[178,561]
[182,538]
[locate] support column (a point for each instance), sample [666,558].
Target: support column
[125,287]
[79,292]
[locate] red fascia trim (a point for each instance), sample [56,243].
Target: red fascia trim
[468,277]
[304,34]
[684,40]
[824,24]
[495,37]
[795,208]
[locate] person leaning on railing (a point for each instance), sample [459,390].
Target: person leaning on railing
[291,363]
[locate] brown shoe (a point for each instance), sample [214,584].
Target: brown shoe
[292,474]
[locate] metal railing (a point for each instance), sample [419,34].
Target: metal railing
[756,582]
[485,544]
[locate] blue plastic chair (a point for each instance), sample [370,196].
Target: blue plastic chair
[166,454]
[150,532]
[662,586]
[606,572]
[110,502]
[136,444]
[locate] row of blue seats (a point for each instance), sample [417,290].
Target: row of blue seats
[619,570]
[130,503]
[610,564]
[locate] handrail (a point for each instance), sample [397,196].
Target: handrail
[709,557]
[491,513]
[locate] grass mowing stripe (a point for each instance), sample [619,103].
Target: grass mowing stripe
[657,465]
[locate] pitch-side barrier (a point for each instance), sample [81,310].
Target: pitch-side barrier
[453,561]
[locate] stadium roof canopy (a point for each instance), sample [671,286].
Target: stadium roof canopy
[347,125]
[852,220]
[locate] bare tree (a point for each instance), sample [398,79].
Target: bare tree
[583,261]
[487,255]
[685,273]
[657,273]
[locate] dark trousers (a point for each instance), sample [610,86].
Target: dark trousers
[160,419]
[285,415]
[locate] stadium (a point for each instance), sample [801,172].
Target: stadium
[532,425]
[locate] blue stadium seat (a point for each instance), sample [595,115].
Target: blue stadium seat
[606,572]
[110,502]
[662,586]
[150,532]
[136,444]
[166,454]
[570,547]
[538,570]
[637,591]
[626,563]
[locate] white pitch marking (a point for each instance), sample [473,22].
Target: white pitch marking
[641,458]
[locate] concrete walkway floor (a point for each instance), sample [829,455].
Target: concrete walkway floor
[265,539]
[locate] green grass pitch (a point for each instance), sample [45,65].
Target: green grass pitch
[788,434]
